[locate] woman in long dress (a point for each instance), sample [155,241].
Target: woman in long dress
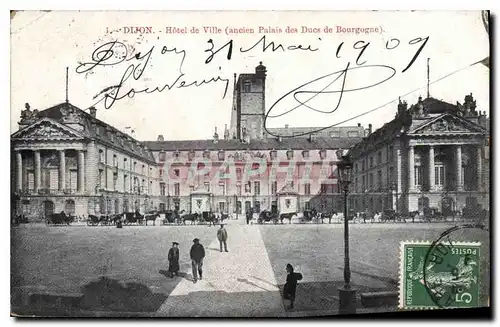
[173,260]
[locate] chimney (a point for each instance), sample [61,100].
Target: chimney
[359,124]
[93,111]
[216,136]
[160,138]
[286,126]
[369,129]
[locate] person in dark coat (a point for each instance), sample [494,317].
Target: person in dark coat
[291,285]
[222,237]
[197,254]
[173,260]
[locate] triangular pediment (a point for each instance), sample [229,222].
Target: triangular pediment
[448,124]
[47,129]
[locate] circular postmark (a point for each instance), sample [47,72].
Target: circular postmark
[451,269]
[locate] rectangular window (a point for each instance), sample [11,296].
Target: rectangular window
[256,188]
[370,180]
[176,172]
[379,158]
[238,173]
[177,189]
[418,175]
[274,187]
[115,180]
[238,189]
[222,207]
[207,186]
[247,86]
[222,189]
[439,175]
[307,189]
[162,156]
[390,153]
[247,187]
[102,159]
[379,179]
[102,182]
[238,207]
[371,162]
[162,189]
[324,188]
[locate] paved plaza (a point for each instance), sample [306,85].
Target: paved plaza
[125,270]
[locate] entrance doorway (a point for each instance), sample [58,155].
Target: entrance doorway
[69,207]
[48,208]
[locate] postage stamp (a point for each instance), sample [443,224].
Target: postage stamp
[442,275]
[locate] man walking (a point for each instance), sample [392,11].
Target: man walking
[222,237]
[197,254]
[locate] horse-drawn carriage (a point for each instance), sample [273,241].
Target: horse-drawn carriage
[59,219]
[172,217]
[268,216]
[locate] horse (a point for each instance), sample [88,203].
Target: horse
[151,216]
[171,217]
[267,215]
[59,219]
[133,217]
[209,217]
[288,216]
[193,217]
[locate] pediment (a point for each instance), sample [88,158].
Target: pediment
[47,129]
[449,124]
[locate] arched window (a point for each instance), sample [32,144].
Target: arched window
[69,207]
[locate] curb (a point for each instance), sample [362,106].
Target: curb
[378,299]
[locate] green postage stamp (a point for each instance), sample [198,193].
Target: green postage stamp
[442,275]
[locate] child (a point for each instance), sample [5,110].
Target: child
[291,285]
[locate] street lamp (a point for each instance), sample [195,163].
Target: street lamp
[347,295]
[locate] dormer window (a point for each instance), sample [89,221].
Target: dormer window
[322,154]
[206,154]
[162,156]
[305,154]
[289,154]
[221,155]
[176,154]
[273,154]
[191,155]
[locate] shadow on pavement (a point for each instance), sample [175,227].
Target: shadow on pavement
[103,295]
[181,275]
[246,281]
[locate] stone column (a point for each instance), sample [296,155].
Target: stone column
[19,165]
[38,171]
[411,169]
[81,171]
[62,170]
[460,185]
[479,168]
[432,176]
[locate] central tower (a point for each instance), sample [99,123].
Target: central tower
[247,115]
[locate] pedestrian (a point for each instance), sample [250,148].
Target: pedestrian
[173,260]
[249,216]
[291,285]
[197,254]
[222,237]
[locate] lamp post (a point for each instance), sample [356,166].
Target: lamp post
[347,295]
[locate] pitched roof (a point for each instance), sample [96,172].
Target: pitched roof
[264,144]
[56,113]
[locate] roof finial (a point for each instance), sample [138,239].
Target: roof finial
[67,85]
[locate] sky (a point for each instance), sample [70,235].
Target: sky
[43,44]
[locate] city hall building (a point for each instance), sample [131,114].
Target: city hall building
[66,159]
[433,155]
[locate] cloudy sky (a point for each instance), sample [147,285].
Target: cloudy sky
[44,43]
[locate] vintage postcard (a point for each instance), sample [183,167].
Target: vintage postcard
[249,163]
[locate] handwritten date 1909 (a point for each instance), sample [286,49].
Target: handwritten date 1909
[360,45]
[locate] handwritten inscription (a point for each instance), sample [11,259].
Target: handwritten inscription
[137,64]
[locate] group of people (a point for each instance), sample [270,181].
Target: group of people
[197,254]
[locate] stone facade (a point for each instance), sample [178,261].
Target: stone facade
[65,159]
[431,156]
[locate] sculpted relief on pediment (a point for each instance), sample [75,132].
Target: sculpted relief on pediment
[46,130]
[446,125]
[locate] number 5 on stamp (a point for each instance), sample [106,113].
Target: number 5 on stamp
[439,275]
